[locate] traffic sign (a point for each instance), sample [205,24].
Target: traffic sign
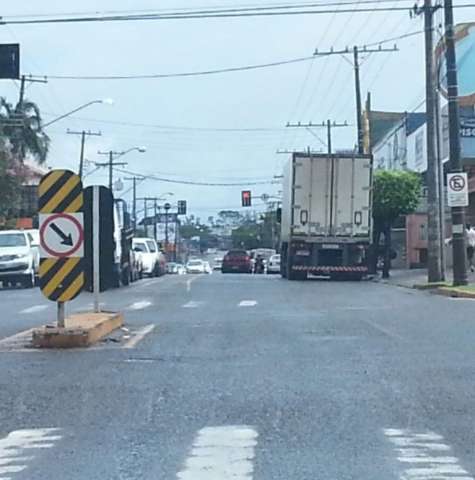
[61,235]
[61,271]
[457,189]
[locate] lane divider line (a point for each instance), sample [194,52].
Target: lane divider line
[139,336]
[34,309]
[247,303]
[140,305]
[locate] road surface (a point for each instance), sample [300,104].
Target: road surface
[247,378]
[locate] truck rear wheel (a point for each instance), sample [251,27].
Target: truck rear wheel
[296,275]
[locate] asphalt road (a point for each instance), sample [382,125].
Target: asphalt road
[246,377]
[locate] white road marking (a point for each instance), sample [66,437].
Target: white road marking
[34,309]
[190,281]
[220,453]
[14,446]
[18,342]
[140,305]
[192,304]
[424,456]
[247,303]
[384,330]
[139,336]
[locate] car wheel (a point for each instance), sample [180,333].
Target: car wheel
[28,281]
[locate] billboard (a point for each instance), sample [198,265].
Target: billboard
[465,53]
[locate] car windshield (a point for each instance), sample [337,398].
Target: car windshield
[195,263]
[151,246]
[13,240]
[140,247]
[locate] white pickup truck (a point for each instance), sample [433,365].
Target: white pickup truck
[19,258]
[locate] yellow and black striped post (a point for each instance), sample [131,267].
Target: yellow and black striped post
[61,272]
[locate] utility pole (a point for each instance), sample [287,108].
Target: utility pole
[23,80]
[328,125]
[83,134]
[458,213]
[356,68]
[155,218]
[111,164]
[359,119]
[434,253]
[134,198]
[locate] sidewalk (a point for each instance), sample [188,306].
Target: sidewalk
[418,276]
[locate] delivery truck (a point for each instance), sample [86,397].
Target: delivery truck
[326,215]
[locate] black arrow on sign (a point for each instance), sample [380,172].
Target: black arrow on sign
[66,239]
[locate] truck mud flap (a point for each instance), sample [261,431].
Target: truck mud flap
[330,269]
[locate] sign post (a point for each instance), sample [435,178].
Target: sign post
[61,227]
[457,190]
[96,247]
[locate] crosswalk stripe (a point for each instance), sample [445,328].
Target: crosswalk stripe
[221,452]
[16,443]
[424,456]
[192,304]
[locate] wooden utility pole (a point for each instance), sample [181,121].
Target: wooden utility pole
[83,134]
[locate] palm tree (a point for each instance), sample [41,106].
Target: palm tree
[22,128]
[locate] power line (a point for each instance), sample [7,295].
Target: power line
[207,72]
[236,13]
[194,182]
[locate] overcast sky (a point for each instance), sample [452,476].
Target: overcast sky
[267,98]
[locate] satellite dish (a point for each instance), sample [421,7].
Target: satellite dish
[118,185]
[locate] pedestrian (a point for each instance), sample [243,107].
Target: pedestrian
[470,234]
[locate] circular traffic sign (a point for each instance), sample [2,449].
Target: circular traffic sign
[61,235]
[457,183]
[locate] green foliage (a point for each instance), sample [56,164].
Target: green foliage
[395,193]
[9,183]
[22,131]
[259,233]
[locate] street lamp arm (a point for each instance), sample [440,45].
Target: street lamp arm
[71,112]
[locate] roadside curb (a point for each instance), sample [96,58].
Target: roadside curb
[82,330]
[454,292]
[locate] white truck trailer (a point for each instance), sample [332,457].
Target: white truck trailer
[326,221]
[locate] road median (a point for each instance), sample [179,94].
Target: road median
[81,330]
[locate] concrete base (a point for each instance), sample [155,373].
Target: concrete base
[81,330]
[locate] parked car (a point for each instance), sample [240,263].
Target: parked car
[273,264]
[136,260]
[175,268]
[208,268]
[237,261]
[195,266]
[218,263]
[181,269]
[19,258]
[153,261]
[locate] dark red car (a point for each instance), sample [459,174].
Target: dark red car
[237,261]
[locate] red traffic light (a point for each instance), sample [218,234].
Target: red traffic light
[246,198]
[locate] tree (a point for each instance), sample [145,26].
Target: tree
[395,193]
[9,182]
[22,131]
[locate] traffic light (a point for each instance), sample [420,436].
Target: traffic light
[246,198]
[181,207]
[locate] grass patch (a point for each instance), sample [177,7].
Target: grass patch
[428,286]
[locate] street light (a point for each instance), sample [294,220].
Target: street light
[111,164]
[106,101]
